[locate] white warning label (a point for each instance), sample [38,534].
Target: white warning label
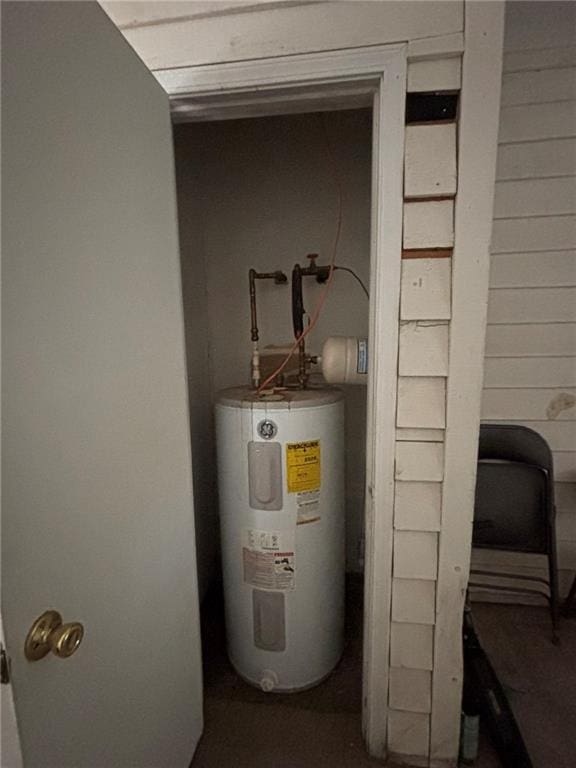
[268,559]
[308,506]
[263,541]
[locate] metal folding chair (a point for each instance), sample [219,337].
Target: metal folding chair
[568,607]
[514,508]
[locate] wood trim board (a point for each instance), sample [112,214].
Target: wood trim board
[477,150]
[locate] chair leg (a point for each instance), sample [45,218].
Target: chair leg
[553,579]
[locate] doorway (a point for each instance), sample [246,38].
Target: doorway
[265,193]
[311,83]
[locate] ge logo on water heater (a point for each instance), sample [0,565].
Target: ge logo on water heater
[267,429]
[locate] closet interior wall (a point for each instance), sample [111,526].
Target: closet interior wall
[263,193]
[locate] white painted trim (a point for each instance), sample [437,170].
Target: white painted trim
[479,112]
[385,266]
[283,32]
[158,14]
[283,101]
[385,68]
[263,74]
[436,47]
[10,750]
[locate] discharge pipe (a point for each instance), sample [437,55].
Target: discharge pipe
[279,279]
[321,274]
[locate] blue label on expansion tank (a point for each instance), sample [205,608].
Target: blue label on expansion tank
[362,365]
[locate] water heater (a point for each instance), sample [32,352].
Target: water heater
[281,489]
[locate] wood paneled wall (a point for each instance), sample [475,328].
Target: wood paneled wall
[530,371]
[430,172]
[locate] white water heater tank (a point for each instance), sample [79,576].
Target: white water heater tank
[281,490]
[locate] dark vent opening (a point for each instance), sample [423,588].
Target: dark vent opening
[431,107]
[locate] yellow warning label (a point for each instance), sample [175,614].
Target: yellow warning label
[303,466]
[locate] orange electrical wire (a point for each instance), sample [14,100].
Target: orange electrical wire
[324,294]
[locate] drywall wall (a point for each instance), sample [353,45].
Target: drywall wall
[263,193]
[530,374]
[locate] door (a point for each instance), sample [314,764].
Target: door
[97,499]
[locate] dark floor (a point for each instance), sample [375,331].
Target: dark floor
[539,679]
[245,728]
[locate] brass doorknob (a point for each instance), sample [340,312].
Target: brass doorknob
[48,633]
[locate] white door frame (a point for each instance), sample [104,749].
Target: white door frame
[10,750]
[309,82]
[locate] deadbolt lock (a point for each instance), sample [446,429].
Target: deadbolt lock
[49,633]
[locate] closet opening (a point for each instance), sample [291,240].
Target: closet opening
[275,232]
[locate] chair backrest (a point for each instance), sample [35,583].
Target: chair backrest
[510,442]
[514,506]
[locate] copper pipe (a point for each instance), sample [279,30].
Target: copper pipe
[280,279]
[253,316]
[302,368]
